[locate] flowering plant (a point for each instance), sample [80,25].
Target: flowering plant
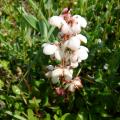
[68,50]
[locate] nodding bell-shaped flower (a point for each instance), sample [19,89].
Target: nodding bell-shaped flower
[75,84]
[53,50]
[49,49]
[80,21]
[80,54]
[68,74]
[66,28]
[56,74]
[61,72]
[74,42]
[59,54]
[57,21]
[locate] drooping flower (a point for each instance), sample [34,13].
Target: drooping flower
[78,55]
[49,49]
[53,50]
[74,42]
[81,21]
[75,84]
[57,73]
[57,21]
[82,53]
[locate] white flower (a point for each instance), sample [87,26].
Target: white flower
[55,80]
[67,74]
[71,87]
[79,55]
[57,72]
[66,28]
[56,21]
[82,53]
[75,84]
[74,64]
[80,21]
[49,49]
[53,50]
[82,38]
[74,42]
[59,54]
[75,28]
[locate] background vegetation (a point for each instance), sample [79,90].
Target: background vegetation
[25,93]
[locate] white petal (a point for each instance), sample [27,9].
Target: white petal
[76,28]
[82,38]
[84,48]
[80,20]
[71,71]
[49,49]
[83,53]
[59,54]
[71,87]
[74,57]
[77,82]
[74,65]
[48,74]
[56,21]
[67,74]
[83,56]
[66,28]
[57,72]
[73,43]
[55,80]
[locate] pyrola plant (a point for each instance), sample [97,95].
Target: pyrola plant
[68,51]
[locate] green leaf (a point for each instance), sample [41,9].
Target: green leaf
[31,20]
[80,117]
[34,102]
[15,116]
[47,117]
[35,7]
[1,84]
[16,90]
[43,29]
[67,116]
[31,115]
[56,117]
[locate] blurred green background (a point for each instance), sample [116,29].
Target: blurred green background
[25,93]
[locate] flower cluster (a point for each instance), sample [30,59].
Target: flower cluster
[68,51]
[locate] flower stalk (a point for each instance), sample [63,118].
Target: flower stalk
[68,51]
